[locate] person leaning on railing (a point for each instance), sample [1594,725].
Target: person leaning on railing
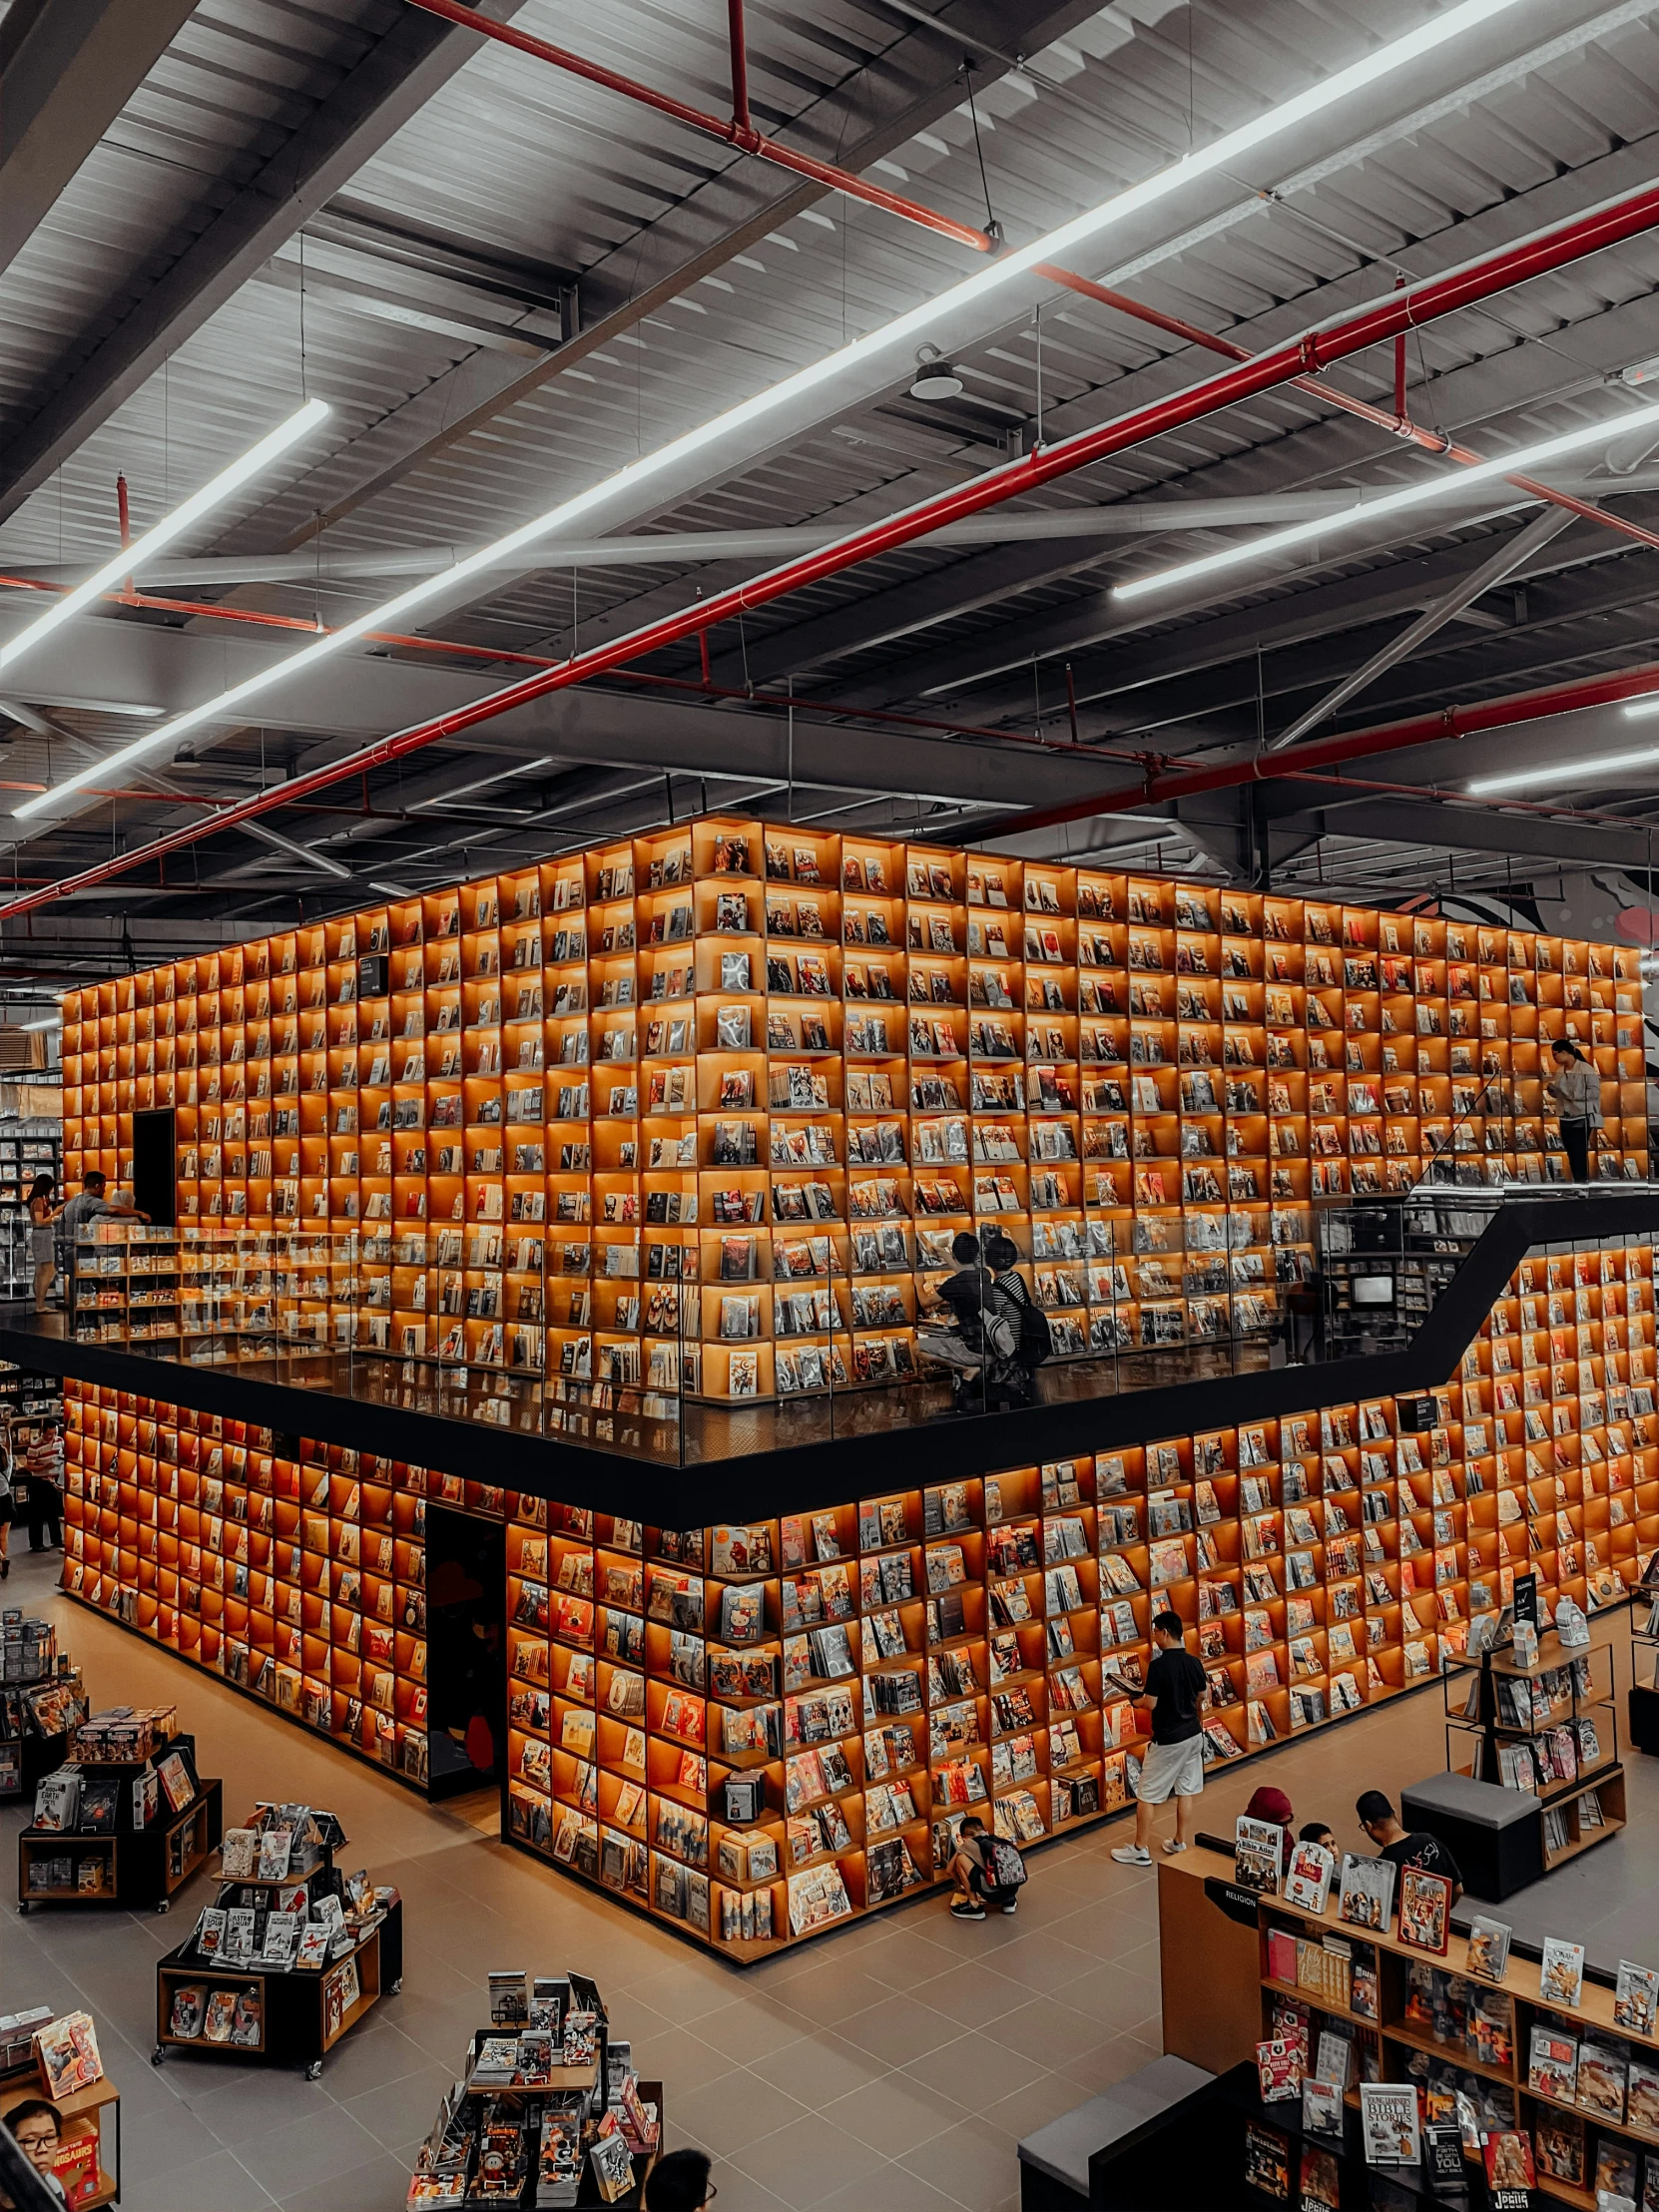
[1574,1090]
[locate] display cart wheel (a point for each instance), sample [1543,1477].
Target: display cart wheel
[165,1905]
[395,1987]
[22,1907]
[157,2056]
[314,2073]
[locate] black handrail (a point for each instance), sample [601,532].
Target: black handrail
[787,1478]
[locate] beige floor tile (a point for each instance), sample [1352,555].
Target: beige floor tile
[809,2161]
[895,2114]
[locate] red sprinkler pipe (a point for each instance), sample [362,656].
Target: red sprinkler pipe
[1398,424]
[1546,250]
[739,64]
[735,129]
[124,517]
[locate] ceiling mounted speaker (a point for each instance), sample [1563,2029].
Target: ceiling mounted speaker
[934,377]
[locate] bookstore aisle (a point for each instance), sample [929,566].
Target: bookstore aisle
[896,2064]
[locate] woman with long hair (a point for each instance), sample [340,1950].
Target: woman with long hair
[43,1211]
[1574,1090]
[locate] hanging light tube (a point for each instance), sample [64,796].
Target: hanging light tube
[171,526]
[1568,772]
[903,329]
[1379,505]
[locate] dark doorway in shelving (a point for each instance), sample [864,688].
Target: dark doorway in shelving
[466,1573]
[154,1188]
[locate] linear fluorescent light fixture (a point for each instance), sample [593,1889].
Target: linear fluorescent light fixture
[1565,771]
[1378,505]
[171,526]
[904,329]
[1637,710]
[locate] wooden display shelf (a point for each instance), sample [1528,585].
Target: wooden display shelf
[1197,1892]
[147,1867]
[294,2024]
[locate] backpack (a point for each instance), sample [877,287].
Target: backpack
[1035,1342]
[1004,1868]
[1000,1328]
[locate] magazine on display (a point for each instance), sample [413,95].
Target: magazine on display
[1488,1948]
[1424,1910]
[1388,2123]
[1257,1854]
[1309,1877]
[1322,2108]
[1368,1891]
[1279,2068]
[1561,1975]
[1507,2154]
[1635,1999]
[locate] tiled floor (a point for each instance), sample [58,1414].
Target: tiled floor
[893,2066]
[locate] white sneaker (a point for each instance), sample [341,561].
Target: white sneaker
[1173,1843]
[1131,1855]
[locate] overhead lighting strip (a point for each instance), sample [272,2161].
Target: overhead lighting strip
[174,526]
[1564,772]
[902,330]
[1379,506]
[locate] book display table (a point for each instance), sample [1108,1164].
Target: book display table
[128,1830]
[41,1700]
[287,1959]
[1559,2061]
[549,2111]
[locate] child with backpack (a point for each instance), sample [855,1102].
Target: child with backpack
[987,1871]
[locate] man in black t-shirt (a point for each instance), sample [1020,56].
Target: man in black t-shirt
[1419,1848]
[1174,1761]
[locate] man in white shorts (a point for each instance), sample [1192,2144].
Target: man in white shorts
[1174,1762]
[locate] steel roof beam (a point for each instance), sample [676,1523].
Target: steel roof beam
[394,79]
[1457,828]
[67,70]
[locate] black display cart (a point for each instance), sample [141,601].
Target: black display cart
[121,1864]
[304,2011]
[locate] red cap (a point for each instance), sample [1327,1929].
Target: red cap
[1270,1805]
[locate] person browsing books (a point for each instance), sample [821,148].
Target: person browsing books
[1574,1090]
[1315,1832]
[971,1295]
[1418,1848]
[970,1871]
[1174,1762]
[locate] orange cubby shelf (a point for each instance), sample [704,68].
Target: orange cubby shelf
[813,1058]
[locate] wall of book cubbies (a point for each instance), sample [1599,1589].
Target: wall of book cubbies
[875,1670]
[691,1094]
